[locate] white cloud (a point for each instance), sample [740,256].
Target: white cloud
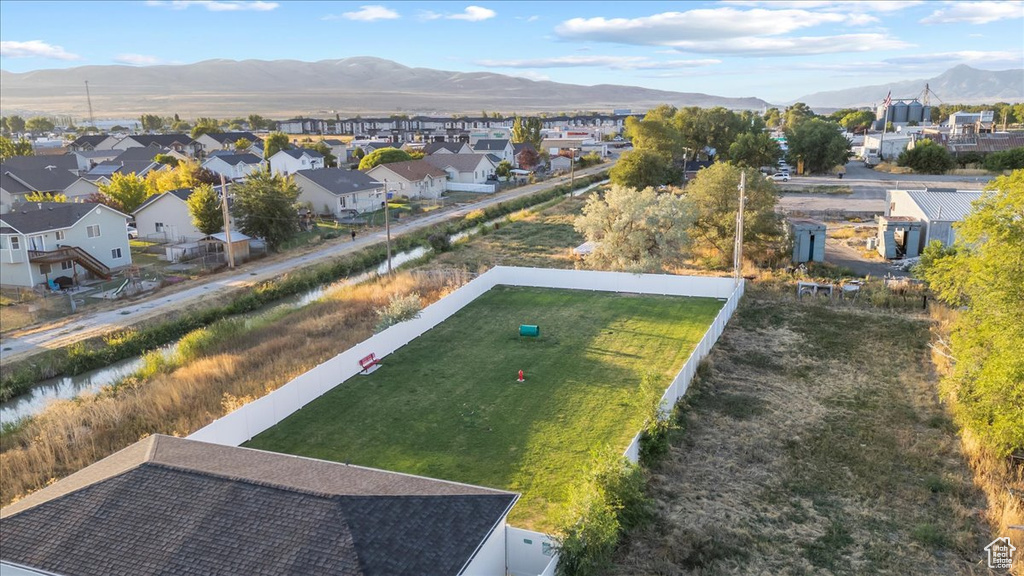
[995,57]
[976,13]
[793,46]
[856,5]
[217,5]
[35,49]
[137,59]
[473,14]
[529,75]
[367,13]
[428,15]
[528,18]
[614,62]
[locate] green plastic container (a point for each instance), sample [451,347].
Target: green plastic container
[530,330]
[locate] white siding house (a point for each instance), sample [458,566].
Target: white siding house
[291,161]
[43,241]
[339,191]
[937,210]
[166,217]
[503,149]
[233,166]
[464,168]
[413,178]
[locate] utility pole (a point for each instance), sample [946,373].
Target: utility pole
[387,224]
[572,172]
[227,221]
[737,251]
[88,98]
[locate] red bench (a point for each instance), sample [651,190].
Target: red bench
[369,363]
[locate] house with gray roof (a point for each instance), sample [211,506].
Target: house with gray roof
[292,160]
[339,191]
[937,211]
[165,217]
[447,148]
[93,142]
[46,240]
[464,168]
[233,166]
[16,183]
[168,505]
[503,149]
[181,143]
[214,141]
[412,178]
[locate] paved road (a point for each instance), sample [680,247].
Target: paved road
[868,189]
[34,340]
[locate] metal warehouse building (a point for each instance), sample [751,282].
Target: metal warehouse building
[937,211]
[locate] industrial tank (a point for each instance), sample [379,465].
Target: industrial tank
[899,112]
[915,112]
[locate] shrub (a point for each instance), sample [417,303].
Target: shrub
[398,309]
[927,157]
[1005,160]
[440,242]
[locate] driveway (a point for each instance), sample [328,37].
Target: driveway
[31,341]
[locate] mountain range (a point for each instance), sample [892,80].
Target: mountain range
[350,86]
[374,86]
[960,84]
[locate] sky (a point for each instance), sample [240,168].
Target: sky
[777,51]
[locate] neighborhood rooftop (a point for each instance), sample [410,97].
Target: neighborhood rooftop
[298,152]
[175,506]
[413,170]
[235,159]
[490,144]
[340,180]
[17,180]
[33,217]
[460,162]
[945,206]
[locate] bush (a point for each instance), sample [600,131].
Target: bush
[1005,160]
[927,157]
[399,309]
[440,242]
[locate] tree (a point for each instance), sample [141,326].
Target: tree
[39,124]
[151,122]
[330,160]
[927,157]
[982,276]
[16,124]
[263,207]
[204,206]
[755,150]
[1012,159]
[640,168]
[166,159]
[528,158]
[714,194]
[9,148]
[772,117]
[186,174]
[819,143]
[242,144]
[504,169]
[205,126]
[274,143]
[797,114]
[383,156]
[527,130]
[46,197]
[858,121]
[5,128]
[126,192]
[635,230]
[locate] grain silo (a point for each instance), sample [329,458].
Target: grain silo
[899,112]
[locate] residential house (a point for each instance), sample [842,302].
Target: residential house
[464,168]
[503,149]
[937,211]
[338,191]
[181,143]
[373,146]
[139,161]
[42,241]
[292,160]
[168,505]
[447,148]
[93,142]
[83,188]
[16,183]
[339,150]
[226,141]
[412,178]
[50,162]
[522,147]
[165,216]
[88,159]
[560,163]
[233,166]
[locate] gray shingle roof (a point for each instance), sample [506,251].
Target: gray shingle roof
[181,193]
[36,179]
[235,159]
[490,144]
[64,162]
[231,137]
[341,181]
[453,147]
[460,162]
[162,140]
[413,170]
[90,139]
[139,154]
[298,152]
[33,217]
[944,206]
[176,506]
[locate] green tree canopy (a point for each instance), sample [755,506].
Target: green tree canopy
[274,143]
[166,159]
[927,157]
[383,156]
[39,124]
[797,114]
[46,197]
[755,150]
[641,168]
[205,126]
[858,120]
[126,192]
[504,169]
[635,230]
[714,194]
[819,143]
[243,144]
[151,122]
[772,117]
[1012,159]
[264,207]
[330,160]
[527,130]
[9,148]
[204,205]
[16,124]
[984,273]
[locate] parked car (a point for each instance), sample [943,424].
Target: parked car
[783,176]
[133,232]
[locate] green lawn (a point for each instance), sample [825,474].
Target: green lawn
[448,405]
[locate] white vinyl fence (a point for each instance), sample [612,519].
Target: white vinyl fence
[468,187]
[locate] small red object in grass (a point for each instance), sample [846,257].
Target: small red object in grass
[521,378]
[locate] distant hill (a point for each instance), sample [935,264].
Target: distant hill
[960,84]
[350,86]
